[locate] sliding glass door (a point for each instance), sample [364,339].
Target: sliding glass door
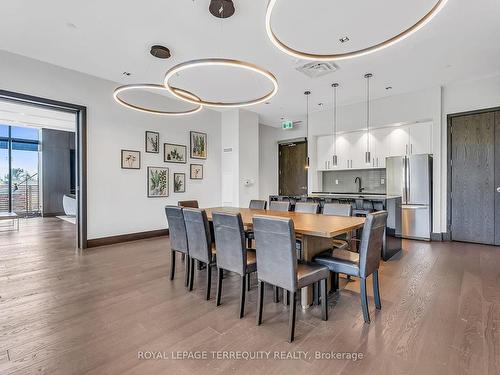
[19,170]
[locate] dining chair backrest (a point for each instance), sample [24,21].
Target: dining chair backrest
[279,205]
[371,242]
[258,204]
[230,242]
[191,204]
[337,209]
[176,229]
[307,207]
[276,254]
[198,234]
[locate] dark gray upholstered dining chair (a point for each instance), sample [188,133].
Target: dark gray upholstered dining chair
[307,207]
[338,209]
[178,238]
[277,265]
[190,204]
[199,244]
[232,253]
[257,204]
[365,263]
[279,205]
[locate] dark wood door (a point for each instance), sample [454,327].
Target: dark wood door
[292,168]
[473,189]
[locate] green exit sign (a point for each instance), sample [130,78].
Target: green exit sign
[287,125]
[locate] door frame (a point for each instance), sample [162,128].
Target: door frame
[288,141]
[449,166]
[81,152]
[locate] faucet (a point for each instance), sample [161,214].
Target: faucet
[358,181]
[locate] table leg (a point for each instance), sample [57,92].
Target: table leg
[312,246]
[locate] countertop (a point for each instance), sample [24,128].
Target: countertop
[370,196]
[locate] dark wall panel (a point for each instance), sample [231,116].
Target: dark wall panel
[56,171]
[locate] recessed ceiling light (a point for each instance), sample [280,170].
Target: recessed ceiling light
[320,104]
[344,39]
[388,88]
[127,74]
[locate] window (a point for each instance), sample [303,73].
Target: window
[19,160]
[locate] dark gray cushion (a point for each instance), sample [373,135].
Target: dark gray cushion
[177,229]
[309,273]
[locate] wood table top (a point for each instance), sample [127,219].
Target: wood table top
[307,224]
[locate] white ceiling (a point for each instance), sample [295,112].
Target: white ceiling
[18,114]
[106,38]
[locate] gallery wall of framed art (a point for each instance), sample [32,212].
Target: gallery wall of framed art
[158,177]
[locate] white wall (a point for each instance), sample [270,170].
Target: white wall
[117,198]
[240,157]
[248,157]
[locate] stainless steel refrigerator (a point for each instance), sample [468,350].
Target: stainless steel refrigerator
[411,178]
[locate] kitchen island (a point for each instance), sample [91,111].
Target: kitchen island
[362,203]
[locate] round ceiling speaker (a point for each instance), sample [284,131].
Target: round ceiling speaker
[221,8]
[160,52]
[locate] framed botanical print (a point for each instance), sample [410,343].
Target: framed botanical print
[196,172]
[152,142]
[198,145]
[179,182]
[157,182]
[131,159]
[173,153]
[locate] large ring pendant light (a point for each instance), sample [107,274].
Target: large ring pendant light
[188,97]
[348,55]
[145,86]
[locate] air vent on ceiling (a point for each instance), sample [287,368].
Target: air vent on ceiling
[317,69]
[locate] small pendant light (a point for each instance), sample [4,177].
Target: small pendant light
[307,93]
[334,156]
[367,153]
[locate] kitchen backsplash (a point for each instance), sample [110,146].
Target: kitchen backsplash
[373,180]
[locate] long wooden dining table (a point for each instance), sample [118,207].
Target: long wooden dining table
[316,231]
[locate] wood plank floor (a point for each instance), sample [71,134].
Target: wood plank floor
[62,312]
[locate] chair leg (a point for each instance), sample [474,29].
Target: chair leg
[276,295]
[364,301]
[376,291]
[248,281]
[220,273]
[187,265]
[291,319]
[286,297]
[316,293]
[242,295]
[191,273]
[324,299]
[260,301]
[172,264]
[334,281]
[209,281]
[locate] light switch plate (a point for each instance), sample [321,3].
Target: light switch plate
[336,182]
[382,181]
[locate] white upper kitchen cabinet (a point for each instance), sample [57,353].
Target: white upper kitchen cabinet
[324,152]
[420,141]
[379,146]
[397,142]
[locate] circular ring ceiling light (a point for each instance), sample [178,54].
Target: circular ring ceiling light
[348,55]
[145,86]
[188,97]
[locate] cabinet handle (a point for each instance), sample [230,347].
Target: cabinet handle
[347,163]
[377,161]
[406,149]
[411,148]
